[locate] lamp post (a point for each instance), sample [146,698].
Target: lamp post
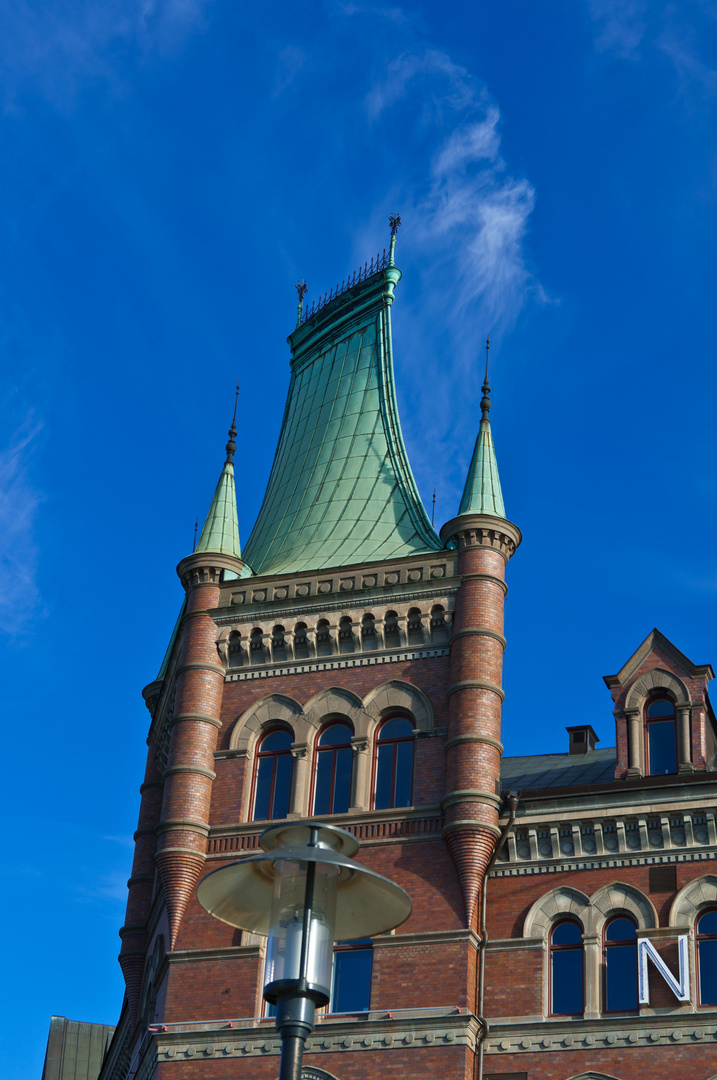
[304,892]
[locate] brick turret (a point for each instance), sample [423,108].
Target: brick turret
[485,540]
[184,825]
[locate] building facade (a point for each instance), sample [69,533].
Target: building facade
[347,664]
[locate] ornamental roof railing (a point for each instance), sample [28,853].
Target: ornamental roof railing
[381,262]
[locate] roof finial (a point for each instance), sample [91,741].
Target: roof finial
[485,402]
[433,511]
[302,288]
[231,445]
[394,221]
[196,526]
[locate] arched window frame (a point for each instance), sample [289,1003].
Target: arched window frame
[614,945]
[554,949]
[648,721]
[701,938]
[262,755]
[379,743]
[333,750]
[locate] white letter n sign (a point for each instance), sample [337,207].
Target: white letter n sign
[681,988]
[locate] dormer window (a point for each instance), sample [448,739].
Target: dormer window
[661,737]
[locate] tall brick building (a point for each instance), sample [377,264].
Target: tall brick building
[347,664]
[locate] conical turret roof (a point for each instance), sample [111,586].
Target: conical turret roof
[221,529]
[482,493]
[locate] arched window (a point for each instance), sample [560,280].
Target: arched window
[256,646]
[439,630]
[351,986]
[620,965]
[323,638]
[391,632]
[368,632]
[301,642]
[272,775]
[566,968]
[707,956]
[661,737]
[333,768]
[278,644]
[346,634]
[234,649]
[394,764]
[415,627]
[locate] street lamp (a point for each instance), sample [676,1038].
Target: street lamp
[304,892]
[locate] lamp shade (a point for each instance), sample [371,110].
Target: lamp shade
[241,893]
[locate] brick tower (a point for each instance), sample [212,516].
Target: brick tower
[348,666]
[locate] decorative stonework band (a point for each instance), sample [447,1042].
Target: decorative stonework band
[202,717]
[201,665]
[488,739]
[299,667]
[198,770]
[475,684]
[486,577]
[469,823]
[478,631]
[183,823]
[469,795]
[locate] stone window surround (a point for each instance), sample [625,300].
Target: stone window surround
[654,684]
[333,704]
[593,912]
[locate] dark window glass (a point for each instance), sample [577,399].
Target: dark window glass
[620,965]
[351,989]
[272,784]
[707,957]
[394,764]
[661,749]
[661,737]
[663,707]
[566,969]
[332,776]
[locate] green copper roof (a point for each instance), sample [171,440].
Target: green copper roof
[482,493]
[341,489]
[221,529]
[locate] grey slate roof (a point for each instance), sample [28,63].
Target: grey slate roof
[557,770]
[75,1049]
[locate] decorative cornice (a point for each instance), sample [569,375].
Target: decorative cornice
[483,530]
[206,567]
[188,824]
[335,663]
[197,770]
[613,1032]
[471,795]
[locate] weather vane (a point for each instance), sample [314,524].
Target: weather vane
[302,288]
[394,221]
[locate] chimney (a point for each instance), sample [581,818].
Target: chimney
[582,739]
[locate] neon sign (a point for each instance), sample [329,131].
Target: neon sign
[680,986]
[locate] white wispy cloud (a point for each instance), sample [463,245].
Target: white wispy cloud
[55,48]
[19,501]
[621,25]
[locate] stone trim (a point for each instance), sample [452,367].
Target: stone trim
[352,660]
[239,752]
[613,1032]
[475,684]
[513,944]
[602,864]
[197,770]
[178,850]
[137,879]
[691,899]
[203,717]
[150,784]
[182,823]
[148,830]
[478,631]
[488,739]
[481,575]
[232,952]
[436,937]
[200,665]
[374,1032]
[470,795]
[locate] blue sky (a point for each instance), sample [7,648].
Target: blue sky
[168,171]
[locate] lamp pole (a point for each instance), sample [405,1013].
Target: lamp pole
[304,892]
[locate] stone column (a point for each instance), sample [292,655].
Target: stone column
[684,738]
[298,806]
[592,944]
[634,751]
[360,774]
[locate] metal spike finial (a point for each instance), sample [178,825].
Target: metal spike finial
[485,401]
[196,526]
[433,511]
[301,289]
[231,445]
[394,220]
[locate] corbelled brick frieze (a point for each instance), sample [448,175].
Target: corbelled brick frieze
[375,827]
[612,1033]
